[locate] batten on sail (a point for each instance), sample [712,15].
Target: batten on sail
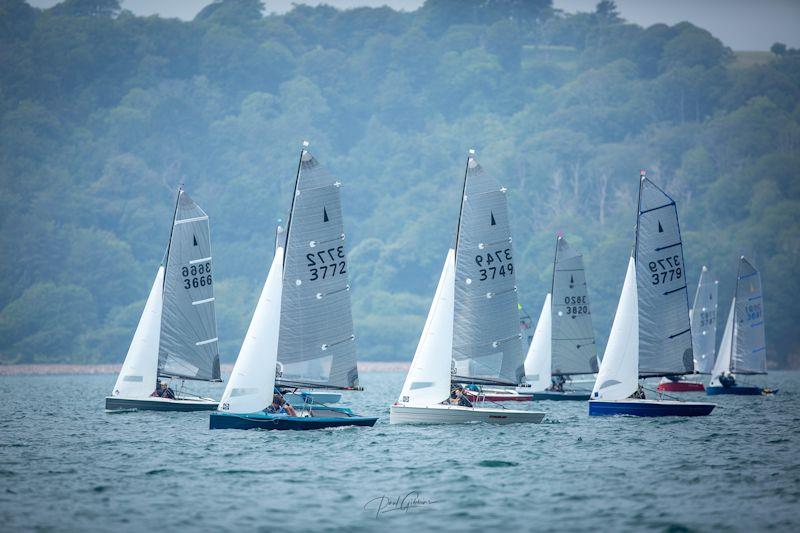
[486,339]
[317,339]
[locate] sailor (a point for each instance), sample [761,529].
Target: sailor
[279,405]
[639,394]
[457,397]
[163,391]
[727,380]
[557,383]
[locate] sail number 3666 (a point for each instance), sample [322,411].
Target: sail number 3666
[326,263]
[493,264]
[665,270]
[196,275]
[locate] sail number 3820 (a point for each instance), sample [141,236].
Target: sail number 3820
[494,264]
[665,270]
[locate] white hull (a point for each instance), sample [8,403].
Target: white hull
[154,403]
[454,414]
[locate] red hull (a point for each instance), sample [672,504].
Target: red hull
[500,397]
[681,386]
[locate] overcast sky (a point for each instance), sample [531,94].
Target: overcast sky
[740,24]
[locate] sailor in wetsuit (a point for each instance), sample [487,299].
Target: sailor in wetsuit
[639,394]
[557,383]
[279,405]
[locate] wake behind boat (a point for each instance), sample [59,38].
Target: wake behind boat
[563,343]
[743,348]
[471,334]
[650,336]
[304,315]
[703,321]
[176,337]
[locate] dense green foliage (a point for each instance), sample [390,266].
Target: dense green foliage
[104,113]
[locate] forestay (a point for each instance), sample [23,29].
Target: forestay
[573,346]
[486,336]
[189,346]
[749,343]
[665,341]
[703,319]
[317,342]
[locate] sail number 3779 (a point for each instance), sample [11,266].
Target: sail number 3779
[665,270]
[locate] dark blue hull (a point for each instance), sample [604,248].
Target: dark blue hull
[562,396]
[649,408]
[738,390]
[282,422]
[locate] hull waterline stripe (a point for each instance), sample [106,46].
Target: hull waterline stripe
[209,341]
[198,302]
[203,260]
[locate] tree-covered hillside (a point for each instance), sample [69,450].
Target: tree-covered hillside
[105,113]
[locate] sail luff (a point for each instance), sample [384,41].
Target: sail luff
[294,196]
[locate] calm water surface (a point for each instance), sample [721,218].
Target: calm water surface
[66,464]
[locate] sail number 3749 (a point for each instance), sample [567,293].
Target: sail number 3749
[494,264]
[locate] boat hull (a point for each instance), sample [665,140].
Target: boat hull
[454,414]
[562,396]
[649,408]
[739,390]
[511,396]
[114,403]
[681,386]
[330,419]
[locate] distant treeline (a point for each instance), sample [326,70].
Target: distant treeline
[103,114]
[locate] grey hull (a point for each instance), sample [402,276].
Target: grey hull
[159,404]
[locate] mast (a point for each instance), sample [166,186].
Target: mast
[733,326]
[642,177]
[172,229]
[555,261]
[294,195]
[463,192]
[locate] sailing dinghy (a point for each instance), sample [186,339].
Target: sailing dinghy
[563,343]
[743,347]
[650,336]
[703,321]
[301,333]
[177,333]
[472,332]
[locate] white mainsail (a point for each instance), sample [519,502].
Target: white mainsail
[138,375]
[252,381]
[428,379]
[539,358]
[619,370]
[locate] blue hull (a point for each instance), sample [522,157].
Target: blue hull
[600,408]
[282,422]
[736,389]
[562,396]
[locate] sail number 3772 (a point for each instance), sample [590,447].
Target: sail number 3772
[326,263]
